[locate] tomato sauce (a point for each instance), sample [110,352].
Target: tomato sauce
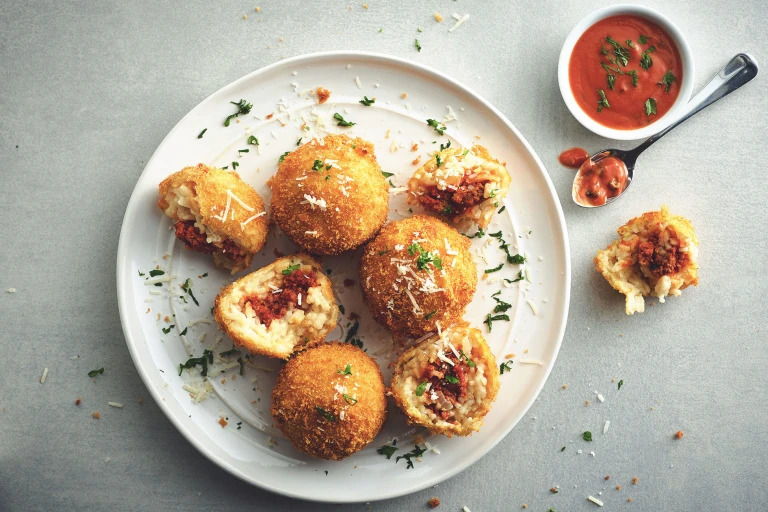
[640,79]
[598,181]
[573,157]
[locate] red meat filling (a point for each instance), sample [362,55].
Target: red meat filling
[450,380]
[660,261]
[275,305]
[454,202]
[196,241]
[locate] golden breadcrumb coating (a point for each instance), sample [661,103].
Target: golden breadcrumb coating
[329,400]
[329,195]
[201,194]
[309,317]
[417,272]
[423,394]
[655,255]
[466,188]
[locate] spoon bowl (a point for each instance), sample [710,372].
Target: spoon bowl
[740,69]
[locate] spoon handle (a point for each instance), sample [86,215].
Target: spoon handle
[740,70]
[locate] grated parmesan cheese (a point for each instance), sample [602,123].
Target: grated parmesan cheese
[459,22]
[357,81]
[249,219]
[595,501]
[45,374]
[115,404]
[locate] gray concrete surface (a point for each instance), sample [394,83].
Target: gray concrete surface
[89,89]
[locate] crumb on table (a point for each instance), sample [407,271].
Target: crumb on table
[434,502]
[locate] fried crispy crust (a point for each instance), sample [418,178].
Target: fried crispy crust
[393,308]
[260,345]
[348,220]
[310,381]
[211,185]
[481,352]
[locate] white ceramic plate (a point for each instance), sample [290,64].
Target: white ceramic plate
[255,452]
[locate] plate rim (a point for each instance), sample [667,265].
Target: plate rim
[122,256]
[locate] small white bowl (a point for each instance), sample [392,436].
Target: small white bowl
[686,85]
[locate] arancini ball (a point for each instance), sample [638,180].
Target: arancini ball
[329,400]
[417,274]
[329,195]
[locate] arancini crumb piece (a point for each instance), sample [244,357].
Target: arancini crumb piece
[434,502]
[679,434]
[322,95]
[635,480]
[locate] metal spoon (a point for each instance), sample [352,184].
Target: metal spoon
[740,70]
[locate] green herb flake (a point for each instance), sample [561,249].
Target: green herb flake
[387,450]
[188,290]
[416,44]
[517,259]
[352,331]
[342,121]
[650,106]
[634,76]
[443,147]
[603,101]
[387,174]
[184,332]
[200,136]
[346,371]
[204,361]
[495,269]
[282,157]
[430,315]
[562,449]
[621,383]
[156,272]
[243,108]
[325,414]
[630,43]
[645,58]
[94,373]
[611,81]
[619,51]
[421,388]
[242,366]
[253,141]
[413,454]
[480,233]
[166,330]
[243,150]
[505,367]
[367,102]
[318,165]
[342,309]
[642,39]
[668,80]
[587,436]
[349,399]
[291,269]
[451,379]
[434,124]
[231,352]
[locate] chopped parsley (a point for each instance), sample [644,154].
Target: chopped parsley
[243,150]
[253,141]
[382,253]
[645,58]
[357,343]
[621,53]
[350,400]
[200,136]
[346,371]
[621,383]
[493,192]
[234,165]
[447,210]
[587,436]
[505,367]
[668,80]
[425,258]
[491,318]
[562,449]
[415,453]
[430,315]
[188,290]
[495,269]
[446,146]
[416,44]
[231,352]
[421,388]
[166,330]
[325,414]
[434,124]
[630,43]
[387,174]
[501,306]
[517,259]
[451,379]
[387,450]
[603,101]
[480,233]
[318,165]
[204,361]
[342,121]
[650,106]
[282,157]
[642,39]
[291,269]
[184,332]
[520,277]
[367,102]
[243,108]
[611,80]
[438,160]
[156,272]
[634,76]
[352,331]
[342,310]
[141,274]
[242,366]
[298,142]
[205,274]
[465,357]
[94,373]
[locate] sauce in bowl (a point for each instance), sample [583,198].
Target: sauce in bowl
[625,72]
[598,181]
